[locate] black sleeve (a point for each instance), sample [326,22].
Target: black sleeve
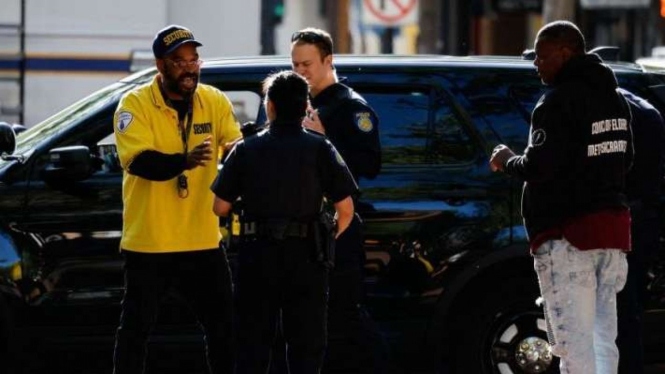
[338,183]
[644,180]
[361,147]
[157,166]
[227,186]
[546,154]
[630,150]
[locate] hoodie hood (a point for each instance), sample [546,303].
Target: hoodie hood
[588,68]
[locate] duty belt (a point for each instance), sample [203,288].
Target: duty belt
[275,230]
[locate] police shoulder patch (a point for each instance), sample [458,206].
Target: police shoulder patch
[124,120]
[364,121]
[538,137]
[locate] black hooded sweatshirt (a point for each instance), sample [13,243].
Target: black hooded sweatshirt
[579,150]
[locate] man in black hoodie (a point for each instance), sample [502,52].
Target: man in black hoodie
[573,202]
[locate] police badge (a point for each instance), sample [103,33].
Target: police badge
[364,121]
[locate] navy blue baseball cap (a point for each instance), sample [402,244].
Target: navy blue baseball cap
[170,38]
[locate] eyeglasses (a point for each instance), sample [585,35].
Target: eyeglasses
[307,37]
[181,64]
[322,43]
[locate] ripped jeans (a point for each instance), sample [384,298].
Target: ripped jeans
[579,291]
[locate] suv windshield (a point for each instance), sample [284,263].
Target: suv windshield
[28,140]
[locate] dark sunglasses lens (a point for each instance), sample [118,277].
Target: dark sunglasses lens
[305,36]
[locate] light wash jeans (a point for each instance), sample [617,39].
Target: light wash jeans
[579,291]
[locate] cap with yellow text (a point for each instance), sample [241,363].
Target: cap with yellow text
[170,38]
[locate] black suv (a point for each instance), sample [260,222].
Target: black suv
[449,279]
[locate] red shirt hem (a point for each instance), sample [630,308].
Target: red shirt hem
[608,228]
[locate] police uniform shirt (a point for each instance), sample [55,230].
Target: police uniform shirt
[352,126]
[283,173]
[156,219]
[643,182]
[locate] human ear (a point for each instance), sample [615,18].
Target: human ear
[160,65]
[270,110]
[328,60]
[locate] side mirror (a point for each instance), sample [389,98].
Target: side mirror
[68,164]
[7,140]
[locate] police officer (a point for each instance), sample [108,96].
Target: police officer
[643,188]
[352,126]
[281,175]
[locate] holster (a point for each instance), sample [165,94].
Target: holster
[324,236]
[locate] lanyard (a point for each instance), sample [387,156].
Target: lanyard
[181,181]
[184,131]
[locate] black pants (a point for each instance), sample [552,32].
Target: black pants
[280,277]
[630,301]
[202,278]
[354,343]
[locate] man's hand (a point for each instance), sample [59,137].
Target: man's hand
[500,155]
[229,145]
[200,154]
[313,122]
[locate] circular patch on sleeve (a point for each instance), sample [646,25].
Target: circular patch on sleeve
[364,121]
[124,120]
[538,137]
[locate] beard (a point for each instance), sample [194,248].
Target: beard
[184,84]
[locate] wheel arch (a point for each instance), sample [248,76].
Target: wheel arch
[508,263]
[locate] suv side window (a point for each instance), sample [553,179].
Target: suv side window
[417,128]
[246,106]
[503,99]
[94,135]
[451,144]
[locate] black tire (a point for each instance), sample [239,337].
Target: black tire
[503,317]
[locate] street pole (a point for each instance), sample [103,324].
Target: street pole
[22,63]
[387,40]
[430,21]
[267,27]
[342,39]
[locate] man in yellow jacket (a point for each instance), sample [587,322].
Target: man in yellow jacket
[168,134]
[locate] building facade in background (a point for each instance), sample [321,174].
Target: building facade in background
[74,47]
[71,48]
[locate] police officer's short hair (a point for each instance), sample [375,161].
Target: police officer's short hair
[320,38]
[564,32]
[289,93]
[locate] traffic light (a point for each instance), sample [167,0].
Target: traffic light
[278,11]
[662,8]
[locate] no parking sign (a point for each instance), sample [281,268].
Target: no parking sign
[390,12]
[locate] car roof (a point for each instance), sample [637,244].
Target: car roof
[376,63]
[397,61]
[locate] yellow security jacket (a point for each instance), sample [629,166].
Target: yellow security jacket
[155,218]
